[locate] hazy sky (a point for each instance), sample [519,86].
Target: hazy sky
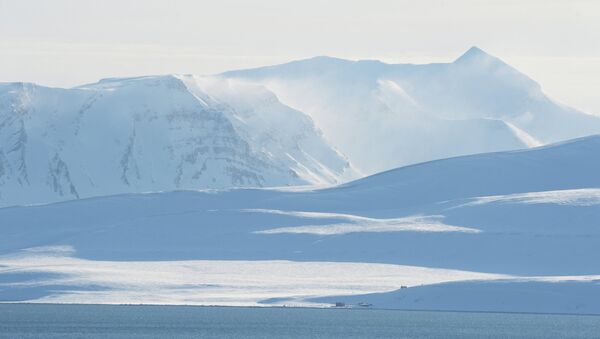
[69,42]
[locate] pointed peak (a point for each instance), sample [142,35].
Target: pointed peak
[474,53]
[475,50]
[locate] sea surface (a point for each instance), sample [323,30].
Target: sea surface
[106,321]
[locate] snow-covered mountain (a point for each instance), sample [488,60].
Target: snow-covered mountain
[510,231]
[155,133]
[387,115]
[272,126]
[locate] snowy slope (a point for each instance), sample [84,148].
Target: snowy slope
[286,134]
[387,115]
[538,295]
[529,218]
[153,134]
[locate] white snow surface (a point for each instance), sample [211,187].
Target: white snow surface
[535,249]
[578,197]
[358,224]
[207,282]
[572,295]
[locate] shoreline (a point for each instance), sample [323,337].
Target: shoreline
[299,308]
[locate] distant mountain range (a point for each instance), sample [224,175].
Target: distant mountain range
[317,121]
[384,116]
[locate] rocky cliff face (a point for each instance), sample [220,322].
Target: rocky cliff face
[150,134]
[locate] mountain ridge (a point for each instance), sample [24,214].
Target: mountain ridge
[321,121]
[147,133]
[449,101]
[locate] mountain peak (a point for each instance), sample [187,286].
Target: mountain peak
[474,53]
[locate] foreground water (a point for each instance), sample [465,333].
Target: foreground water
[105,321]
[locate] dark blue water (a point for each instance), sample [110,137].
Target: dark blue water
[102,321]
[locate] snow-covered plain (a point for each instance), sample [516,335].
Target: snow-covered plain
[573,295]
[535,212]
[57,277]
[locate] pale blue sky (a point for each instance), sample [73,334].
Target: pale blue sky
[69,42]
